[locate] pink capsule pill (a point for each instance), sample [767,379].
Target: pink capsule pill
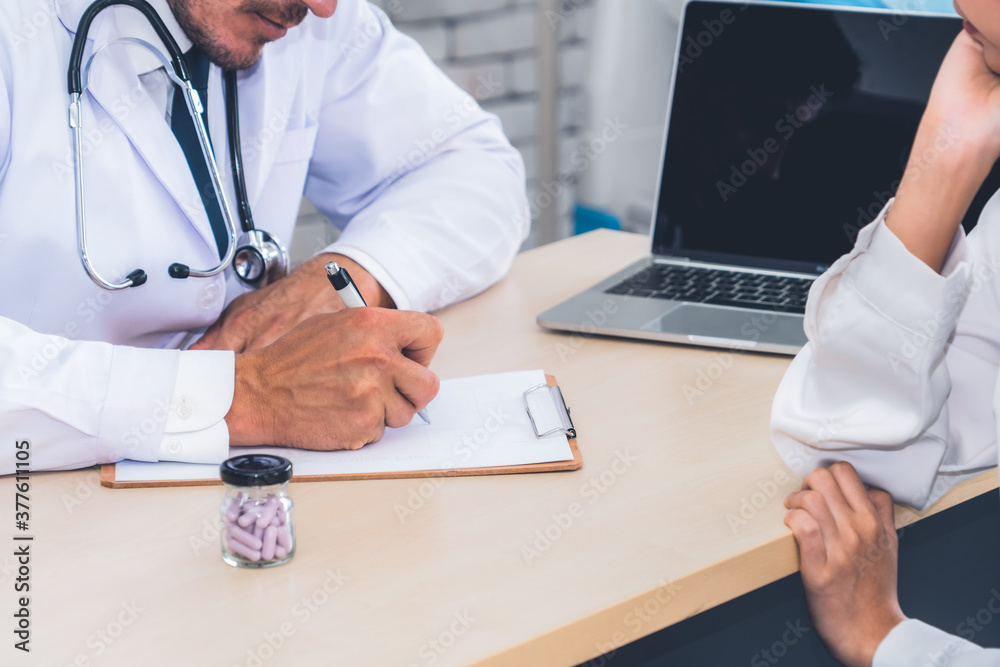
[233,511]
[270,542]
[248,517]
[284,539]
[280,552]
[243,550]
[280,516]
[258,532]
[243,536]
[267,512]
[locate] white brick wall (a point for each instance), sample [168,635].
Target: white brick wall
[417,10]
[496,34]
[494,41]
[434,39]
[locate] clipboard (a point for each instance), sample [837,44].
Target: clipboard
[108,477]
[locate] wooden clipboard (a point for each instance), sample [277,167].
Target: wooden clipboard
[108,470]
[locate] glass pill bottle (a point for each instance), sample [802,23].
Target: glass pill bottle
[257,514]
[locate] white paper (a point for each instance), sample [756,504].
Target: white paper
[476,422]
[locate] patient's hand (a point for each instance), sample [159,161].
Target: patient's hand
[966,98]
[954,150]
[848,551]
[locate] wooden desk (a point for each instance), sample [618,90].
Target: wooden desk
[645,535]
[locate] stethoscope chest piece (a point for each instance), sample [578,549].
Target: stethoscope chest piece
[260,259]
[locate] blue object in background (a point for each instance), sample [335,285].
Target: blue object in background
[849,3]
[939,6]
[588,219]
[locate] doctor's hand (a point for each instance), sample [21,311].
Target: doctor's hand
[848,551]
[336,381]
[257,319]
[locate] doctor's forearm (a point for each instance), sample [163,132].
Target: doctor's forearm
[257,319]
[248,420]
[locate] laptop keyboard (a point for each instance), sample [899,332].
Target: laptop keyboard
[717,287]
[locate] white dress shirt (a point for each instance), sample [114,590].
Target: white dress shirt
[429,194]
[900,378]
[913,643]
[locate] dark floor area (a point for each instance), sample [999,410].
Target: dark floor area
[949,571]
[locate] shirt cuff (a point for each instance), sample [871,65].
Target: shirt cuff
[196,431]
[913,642]
[135,408]
[375,269]
[907,291]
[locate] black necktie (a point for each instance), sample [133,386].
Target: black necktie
[183,128]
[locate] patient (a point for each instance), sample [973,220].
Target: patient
[896,389]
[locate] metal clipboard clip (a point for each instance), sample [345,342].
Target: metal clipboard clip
[561,410]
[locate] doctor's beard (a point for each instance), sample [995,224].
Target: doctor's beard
[215,26]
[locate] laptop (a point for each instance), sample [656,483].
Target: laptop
[788,129]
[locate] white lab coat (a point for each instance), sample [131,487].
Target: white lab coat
[428,192]
[900,378]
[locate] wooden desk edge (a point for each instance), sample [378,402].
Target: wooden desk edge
[674,601]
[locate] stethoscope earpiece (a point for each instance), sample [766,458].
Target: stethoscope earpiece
[137,277]
[264,258]
[179,271]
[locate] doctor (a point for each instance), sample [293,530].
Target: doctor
[897,388]
[333,103]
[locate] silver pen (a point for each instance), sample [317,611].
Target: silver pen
[349,294]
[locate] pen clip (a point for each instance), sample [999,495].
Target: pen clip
[561,411]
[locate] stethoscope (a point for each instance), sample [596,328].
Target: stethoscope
[257,257]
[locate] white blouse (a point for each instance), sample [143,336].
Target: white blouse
[900,378]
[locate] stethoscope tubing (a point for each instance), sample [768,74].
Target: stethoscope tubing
[236,151]
[78,80]
[194,106]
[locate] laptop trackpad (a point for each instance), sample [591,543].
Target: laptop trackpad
[726,323]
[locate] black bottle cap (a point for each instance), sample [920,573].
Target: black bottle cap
[255,470]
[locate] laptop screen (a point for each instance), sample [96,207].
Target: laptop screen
[790,128]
